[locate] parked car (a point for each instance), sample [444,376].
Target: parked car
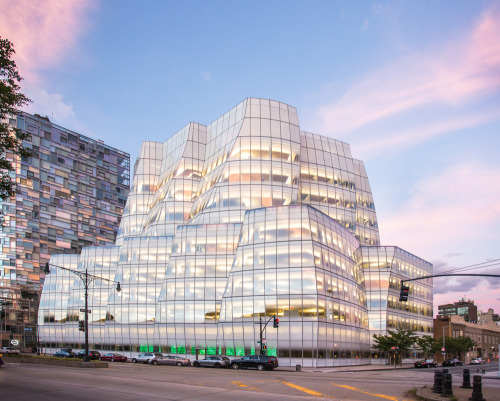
[94,355]
[259,362]
[477,361]
[145,357]
[452,362]
[112,357]
[425,363]
[9,350]
[213,361]
[169,360]
[64,354]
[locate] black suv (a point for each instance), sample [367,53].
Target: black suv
[94,355]
[260,362]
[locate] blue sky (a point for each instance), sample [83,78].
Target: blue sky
[413,86]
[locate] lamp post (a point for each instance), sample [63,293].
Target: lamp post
[86,279]
[444,343]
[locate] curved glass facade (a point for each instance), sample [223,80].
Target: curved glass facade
[244,219]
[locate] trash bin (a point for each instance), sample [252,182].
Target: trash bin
[298,368]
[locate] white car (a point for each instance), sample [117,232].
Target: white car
[9,350]
[477,361]
[146,356]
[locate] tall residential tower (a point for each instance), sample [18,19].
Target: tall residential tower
[73,191]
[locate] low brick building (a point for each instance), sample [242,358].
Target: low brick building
[486,336]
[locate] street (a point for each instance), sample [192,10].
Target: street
[126,381]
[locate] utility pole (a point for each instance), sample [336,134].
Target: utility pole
[86,279]
[261,331]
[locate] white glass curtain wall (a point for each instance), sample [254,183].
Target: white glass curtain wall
[245,218]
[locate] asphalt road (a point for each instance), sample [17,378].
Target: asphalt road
[125,381]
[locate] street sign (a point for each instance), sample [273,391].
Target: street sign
[14,342]
[85,310]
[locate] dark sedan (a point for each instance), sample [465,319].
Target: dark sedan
[112,357]
[452,362]
[93,355]
[260,362]
[428,363]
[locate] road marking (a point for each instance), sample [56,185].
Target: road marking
[304,390]
[244,386]
[387,397]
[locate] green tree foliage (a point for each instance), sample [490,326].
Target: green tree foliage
[396,343]
[428,345]
[402,339]
[457,345]
[11,99]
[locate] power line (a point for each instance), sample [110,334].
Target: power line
[474,266]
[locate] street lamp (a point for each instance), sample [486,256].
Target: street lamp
[87,279]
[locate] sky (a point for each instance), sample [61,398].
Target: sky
[412,86]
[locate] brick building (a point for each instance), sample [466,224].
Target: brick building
[486,336]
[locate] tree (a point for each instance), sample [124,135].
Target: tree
[458,345]
[11,99]
[401,341]
[428,345]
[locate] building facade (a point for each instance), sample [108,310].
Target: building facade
[490,316]
[464,308]
[72,192]
[486,335]
[242,220]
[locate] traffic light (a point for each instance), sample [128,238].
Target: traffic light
[276,322]
[403,295]
[81,325]
[264,347]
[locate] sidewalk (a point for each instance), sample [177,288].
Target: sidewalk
[367,368]
[357,368]
[461,394]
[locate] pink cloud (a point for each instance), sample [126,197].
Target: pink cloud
[448,211]
[44,33]
[397,140]
[456,209]
[457,73]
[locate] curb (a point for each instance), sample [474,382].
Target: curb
[423,397]
[69,364]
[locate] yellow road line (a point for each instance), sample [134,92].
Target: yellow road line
[244,386]
[304,390]
[387,397]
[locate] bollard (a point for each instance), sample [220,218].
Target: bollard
[477,389]
[298,368]
[483,371]
[447,386]
[438,382]
[466,379]
[436,373]
[444,371]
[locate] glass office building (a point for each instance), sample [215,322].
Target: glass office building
[72,192]
[227,224]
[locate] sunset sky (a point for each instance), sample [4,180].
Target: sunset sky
[413,86]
